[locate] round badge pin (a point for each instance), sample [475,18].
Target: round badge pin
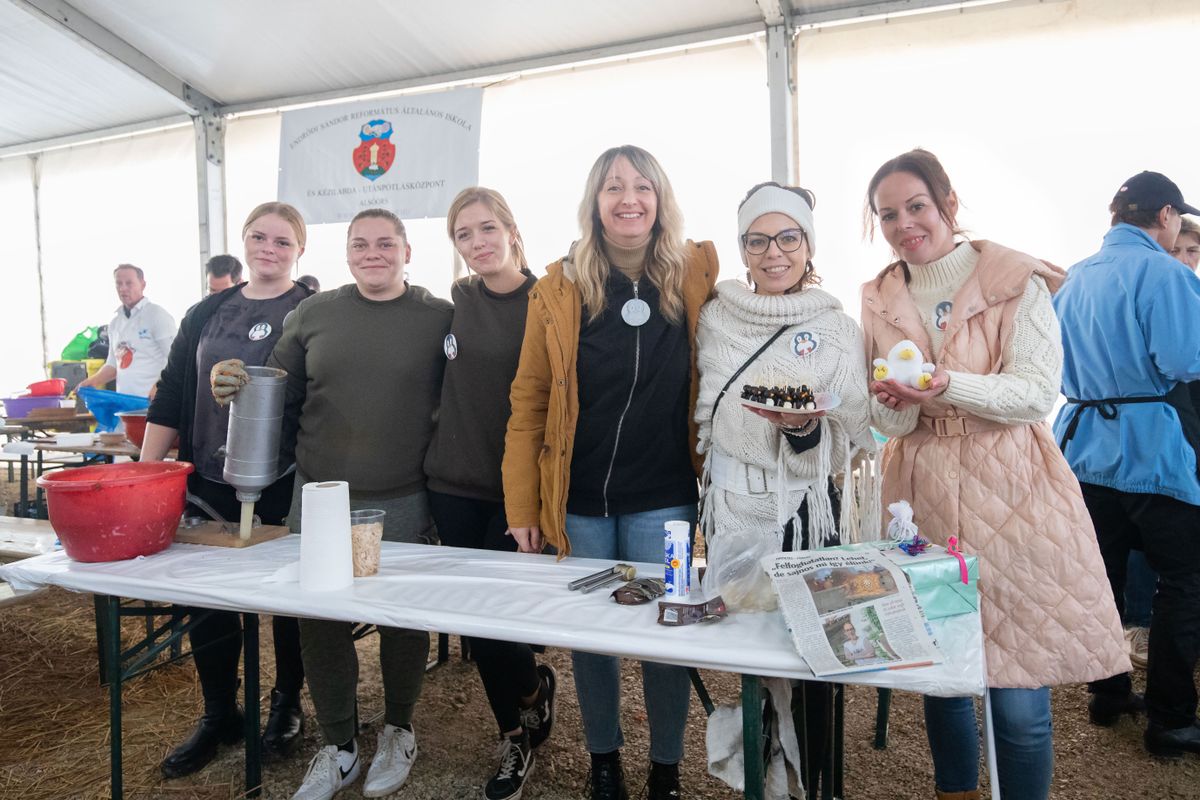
[450,346]
[635,312]
[260,331]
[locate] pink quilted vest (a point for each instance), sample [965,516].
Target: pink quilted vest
[1004,490]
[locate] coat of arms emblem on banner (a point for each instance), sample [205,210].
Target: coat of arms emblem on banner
[375,152]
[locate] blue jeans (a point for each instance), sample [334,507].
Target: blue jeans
[666,688]
[1024,742]
[1140,581]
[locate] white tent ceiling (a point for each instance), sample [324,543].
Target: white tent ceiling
[70,70]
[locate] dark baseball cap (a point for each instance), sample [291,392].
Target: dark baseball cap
[1150,191]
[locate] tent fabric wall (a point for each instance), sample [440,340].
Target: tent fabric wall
[1038,113]
[540,136]
[1023,103]
[20,317]
[123,201]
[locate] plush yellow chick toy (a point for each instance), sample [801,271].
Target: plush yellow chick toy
[904,364]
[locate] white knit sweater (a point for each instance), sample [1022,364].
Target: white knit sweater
[1028,382]
[732,326]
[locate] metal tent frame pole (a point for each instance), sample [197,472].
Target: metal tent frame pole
[781,87]
[210,188]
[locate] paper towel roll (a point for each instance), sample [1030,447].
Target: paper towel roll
[326,562]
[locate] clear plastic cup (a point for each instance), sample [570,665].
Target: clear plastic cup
[366,532]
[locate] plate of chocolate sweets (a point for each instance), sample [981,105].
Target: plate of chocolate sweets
[788,399]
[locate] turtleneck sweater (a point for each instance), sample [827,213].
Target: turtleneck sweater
[933,285]
[630,261]
[821,347]
[1025,388]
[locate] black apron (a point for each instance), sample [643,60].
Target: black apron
[1183,397]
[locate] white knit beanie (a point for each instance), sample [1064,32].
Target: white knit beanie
[770,199]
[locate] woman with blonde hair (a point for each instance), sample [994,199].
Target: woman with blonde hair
[466,493]
[600,449]
[242,322]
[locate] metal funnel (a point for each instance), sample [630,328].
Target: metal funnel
[252,443]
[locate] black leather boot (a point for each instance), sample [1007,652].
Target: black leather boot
[663,783]
[285,726]
[215,728]
[608,780]
[1106,710]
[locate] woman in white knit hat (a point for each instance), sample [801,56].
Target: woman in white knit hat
[777,480]
[811,342]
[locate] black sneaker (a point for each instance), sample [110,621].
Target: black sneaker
[516,765]
[538,719]
[663,783]
[607,779]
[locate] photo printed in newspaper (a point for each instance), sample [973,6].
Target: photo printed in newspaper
[850,611]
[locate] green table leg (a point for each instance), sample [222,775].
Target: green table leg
[837,744]
[112,645]
[250,675]
[752,743]
[882,711]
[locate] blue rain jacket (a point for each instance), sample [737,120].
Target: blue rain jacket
[1130,321]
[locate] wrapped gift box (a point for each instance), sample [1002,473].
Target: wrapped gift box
[936,578]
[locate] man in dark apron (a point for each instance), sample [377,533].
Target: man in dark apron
[1132,436]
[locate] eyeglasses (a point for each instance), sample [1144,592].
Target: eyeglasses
[788,241]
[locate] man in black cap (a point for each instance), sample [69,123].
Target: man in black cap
[1132,437]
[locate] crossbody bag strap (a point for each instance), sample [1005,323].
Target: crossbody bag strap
[742,368]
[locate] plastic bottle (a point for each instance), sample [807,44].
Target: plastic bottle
[677,543]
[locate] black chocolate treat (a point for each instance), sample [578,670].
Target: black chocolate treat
[800,398]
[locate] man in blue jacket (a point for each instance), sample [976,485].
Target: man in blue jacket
[1131,434]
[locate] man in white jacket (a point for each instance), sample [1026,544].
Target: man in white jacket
[140,337]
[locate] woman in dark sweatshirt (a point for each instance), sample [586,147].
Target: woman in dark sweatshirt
[466,494]
[242,322]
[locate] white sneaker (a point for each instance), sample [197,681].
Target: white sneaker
[1139,646]
[394,757]
[330,771]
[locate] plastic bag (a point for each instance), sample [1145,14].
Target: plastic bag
[735,571]
[77,348]
[105,405]
[99,348]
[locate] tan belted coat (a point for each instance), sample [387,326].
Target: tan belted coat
[1004,490]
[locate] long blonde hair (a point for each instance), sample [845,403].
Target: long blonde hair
[495,203]
[666,265]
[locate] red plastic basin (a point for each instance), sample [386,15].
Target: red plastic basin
[116,511]
[54,387]
[135,427]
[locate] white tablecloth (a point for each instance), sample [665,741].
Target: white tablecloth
[513,596]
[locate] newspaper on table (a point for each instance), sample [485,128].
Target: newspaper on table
[851,611]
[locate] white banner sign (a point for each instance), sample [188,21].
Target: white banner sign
[411,155]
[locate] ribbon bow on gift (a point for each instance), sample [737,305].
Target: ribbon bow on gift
[903,531]
[952,549]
